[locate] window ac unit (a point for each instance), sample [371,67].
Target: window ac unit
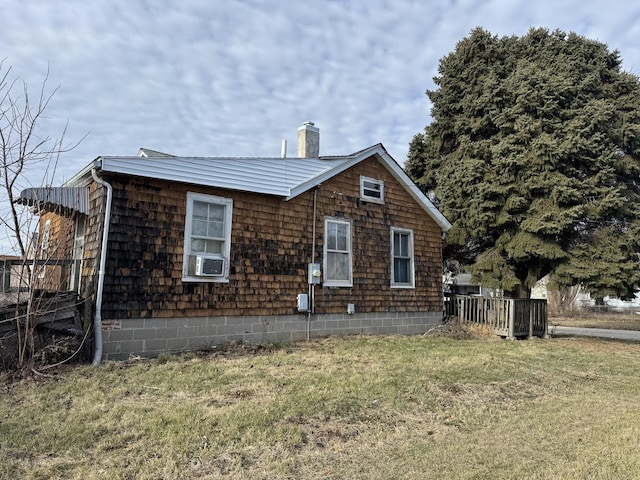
[209,266]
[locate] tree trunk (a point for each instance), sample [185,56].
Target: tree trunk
[520,291]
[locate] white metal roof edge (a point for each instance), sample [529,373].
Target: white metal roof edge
[318,179]
[394,169]
[76,180]
[413,190]
[347,161]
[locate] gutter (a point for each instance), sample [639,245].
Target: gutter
[97,323]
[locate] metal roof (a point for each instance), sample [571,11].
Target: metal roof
[56,198]
[147,152]
[283,177]
[270,176]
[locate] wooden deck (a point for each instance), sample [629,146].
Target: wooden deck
[508,317]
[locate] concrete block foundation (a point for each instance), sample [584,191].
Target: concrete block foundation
[149,337]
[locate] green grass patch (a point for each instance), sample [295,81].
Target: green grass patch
[342,408]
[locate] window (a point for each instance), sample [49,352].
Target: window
[371,190]
[337,253]
[78,246]
[44,246]
[207,238]
[402,258]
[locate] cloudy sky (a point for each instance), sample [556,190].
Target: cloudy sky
[235,77]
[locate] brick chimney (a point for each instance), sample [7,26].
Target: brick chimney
[308,141]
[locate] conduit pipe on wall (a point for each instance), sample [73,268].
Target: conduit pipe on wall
[97,322]
[312,291]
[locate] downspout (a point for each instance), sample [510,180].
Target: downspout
[97,323]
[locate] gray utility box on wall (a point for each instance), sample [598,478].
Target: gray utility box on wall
[303,302]
[314,273]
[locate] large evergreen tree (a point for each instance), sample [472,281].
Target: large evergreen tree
[533,154]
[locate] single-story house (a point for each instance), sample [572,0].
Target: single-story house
[461,284]
[179,253]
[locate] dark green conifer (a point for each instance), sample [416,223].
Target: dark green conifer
[533,154]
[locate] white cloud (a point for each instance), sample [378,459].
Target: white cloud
[235,77]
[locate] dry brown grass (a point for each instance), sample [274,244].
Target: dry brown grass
[458,330]
[617,321]
[343,408]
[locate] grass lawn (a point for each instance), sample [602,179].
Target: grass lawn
[343,408]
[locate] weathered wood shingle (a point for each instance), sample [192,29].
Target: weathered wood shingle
[271,245]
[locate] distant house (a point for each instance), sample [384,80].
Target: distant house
[461,284]
[581,299]
[181,253]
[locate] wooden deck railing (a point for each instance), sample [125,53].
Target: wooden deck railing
[508,317]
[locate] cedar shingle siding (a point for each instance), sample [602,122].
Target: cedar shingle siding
[52,266]
[271,246]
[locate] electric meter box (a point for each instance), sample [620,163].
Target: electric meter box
[314,273]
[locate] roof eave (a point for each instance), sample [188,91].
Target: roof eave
[377,150]
[318,179]
[79,178]
[392,166]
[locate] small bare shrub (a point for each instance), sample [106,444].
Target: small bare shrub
[456,329]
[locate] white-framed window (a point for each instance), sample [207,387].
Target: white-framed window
[44,247]
[78,247]
[402,274]
[337,263]
[371,190]
[207,238]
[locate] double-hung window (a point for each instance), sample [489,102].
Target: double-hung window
[207,238]
[402,275]
[337,253]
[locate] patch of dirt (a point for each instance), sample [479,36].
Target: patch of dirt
[320,432]
[235,349]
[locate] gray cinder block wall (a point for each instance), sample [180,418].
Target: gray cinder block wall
[150,337]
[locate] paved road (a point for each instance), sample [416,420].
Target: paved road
[595,332]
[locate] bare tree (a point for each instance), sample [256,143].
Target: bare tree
[563,301]
[23,148]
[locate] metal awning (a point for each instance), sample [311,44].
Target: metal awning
[56,199]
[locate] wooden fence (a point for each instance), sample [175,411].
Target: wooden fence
[508,317]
